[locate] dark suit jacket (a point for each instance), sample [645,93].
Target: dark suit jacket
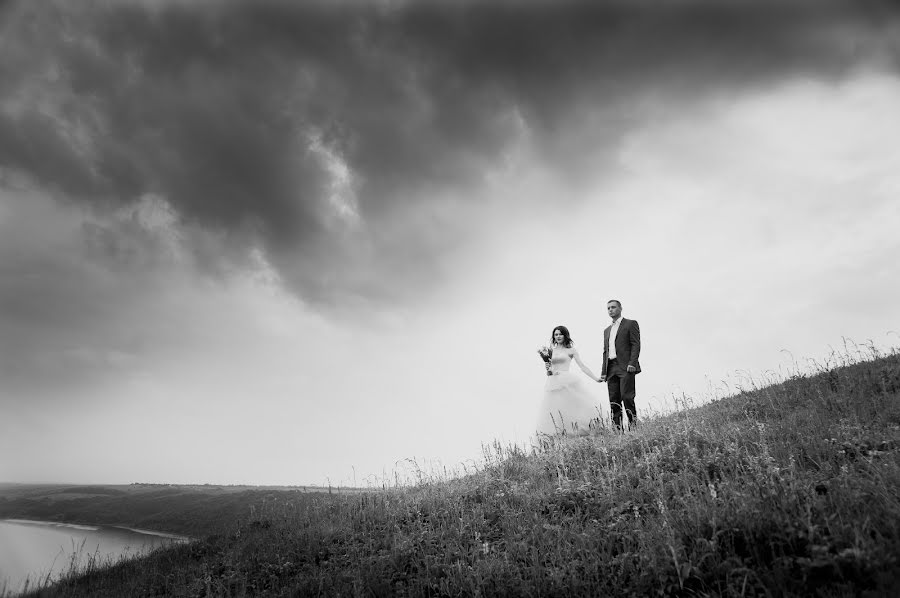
[628,344]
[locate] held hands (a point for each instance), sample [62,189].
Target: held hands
[601,379]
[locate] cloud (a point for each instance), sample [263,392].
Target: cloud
[349,142]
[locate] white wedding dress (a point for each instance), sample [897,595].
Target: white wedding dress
[568,404]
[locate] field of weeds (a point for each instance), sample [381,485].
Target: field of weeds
[786,489]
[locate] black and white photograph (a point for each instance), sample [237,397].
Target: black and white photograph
[449,298]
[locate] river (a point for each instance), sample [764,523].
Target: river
[36,550]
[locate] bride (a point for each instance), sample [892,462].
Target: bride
[568,406]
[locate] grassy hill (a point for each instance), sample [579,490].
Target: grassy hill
[791,489]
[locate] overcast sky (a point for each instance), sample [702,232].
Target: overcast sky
[281,242]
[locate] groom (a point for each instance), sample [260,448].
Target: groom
[621,349]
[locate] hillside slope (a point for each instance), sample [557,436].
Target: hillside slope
[785,490]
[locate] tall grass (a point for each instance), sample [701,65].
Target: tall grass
[789,487]
[78,562]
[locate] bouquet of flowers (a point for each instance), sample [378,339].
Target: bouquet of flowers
[546,353]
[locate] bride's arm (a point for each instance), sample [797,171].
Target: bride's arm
[583,367]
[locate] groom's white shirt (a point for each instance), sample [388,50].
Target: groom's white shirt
[612,338]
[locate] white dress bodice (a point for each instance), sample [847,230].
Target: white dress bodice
[560,360]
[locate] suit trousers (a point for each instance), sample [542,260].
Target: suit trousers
[620,383]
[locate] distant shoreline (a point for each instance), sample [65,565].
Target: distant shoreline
[95,528]
[148,532]
[78,526]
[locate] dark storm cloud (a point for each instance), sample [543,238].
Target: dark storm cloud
[242,115]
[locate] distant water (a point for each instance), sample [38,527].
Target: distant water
[32,550]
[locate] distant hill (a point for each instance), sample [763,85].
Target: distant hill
[194,510]
[791,489]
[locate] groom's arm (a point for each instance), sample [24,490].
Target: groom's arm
[634,337]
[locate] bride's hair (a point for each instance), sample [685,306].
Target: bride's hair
[567,340]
